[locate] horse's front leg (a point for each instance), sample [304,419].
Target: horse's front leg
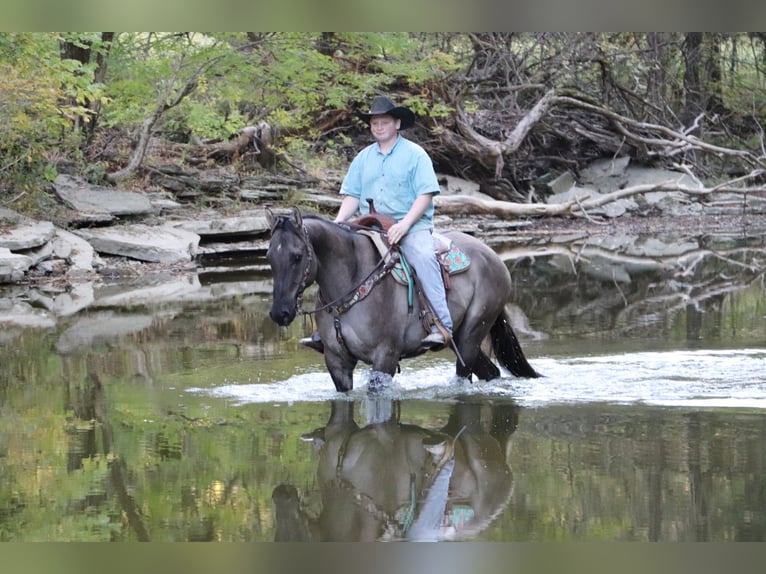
[385,363]
[341,368]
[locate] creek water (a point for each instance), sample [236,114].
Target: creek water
[191,416]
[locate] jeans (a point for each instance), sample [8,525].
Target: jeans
[418,250]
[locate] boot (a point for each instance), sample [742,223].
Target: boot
[434,341]
[313,342]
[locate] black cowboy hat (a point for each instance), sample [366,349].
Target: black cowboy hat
[383,106]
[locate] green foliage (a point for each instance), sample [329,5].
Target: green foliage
[211,85]
[42,98]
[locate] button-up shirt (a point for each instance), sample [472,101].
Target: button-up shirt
[393,180]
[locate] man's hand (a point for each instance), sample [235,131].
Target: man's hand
[396,232]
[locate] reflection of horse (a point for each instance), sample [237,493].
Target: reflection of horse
[380,325]
[392,481]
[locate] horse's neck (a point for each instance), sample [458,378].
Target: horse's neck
[343,258]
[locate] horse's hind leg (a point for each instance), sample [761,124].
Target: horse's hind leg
[478,364]
[474,360]
[468,341]
[484,368]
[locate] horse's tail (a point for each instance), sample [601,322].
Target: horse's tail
[508,350]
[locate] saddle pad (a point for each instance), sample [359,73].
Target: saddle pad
[453,260]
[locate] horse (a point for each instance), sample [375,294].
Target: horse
[376,321]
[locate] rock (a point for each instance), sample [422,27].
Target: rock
[162,201]
[38,254]
[75,250]
[574,192]
[159,244]
[27,235]
[604,169]
[13,266]
[8,216]
[562,183]
[83,196]
[618,207]
[242,225]
[451,185]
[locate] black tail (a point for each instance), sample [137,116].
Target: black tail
[508,350]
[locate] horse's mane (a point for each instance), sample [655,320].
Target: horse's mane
[287,222]
[324,221]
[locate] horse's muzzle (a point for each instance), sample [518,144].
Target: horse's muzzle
[283,316]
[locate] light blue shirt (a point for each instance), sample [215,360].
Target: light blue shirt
[393,180]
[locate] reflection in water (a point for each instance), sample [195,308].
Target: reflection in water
[389,480]
[637,286]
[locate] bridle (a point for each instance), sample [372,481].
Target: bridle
[306,271]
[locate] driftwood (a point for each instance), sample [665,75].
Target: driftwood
[258,139]
[463,204]
[614,132]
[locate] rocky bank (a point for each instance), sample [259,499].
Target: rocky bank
[115,234]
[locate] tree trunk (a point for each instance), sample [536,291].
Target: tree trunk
[656,73]
[693,106]
[164,103]
[82,51]
[713,65]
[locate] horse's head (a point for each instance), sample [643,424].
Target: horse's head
[292,263]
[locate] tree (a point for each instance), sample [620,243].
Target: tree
[503,109]
[41,97]
[82,49]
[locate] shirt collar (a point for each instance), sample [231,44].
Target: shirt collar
[393,147]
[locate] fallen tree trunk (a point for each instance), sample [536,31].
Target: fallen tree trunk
[462,204]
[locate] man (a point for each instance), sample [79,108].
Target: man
[398,175]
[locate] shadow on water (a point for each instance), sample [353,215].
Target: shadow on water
[172,408]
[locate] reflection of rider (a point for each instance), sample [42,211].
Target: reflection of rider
[389,480]
[397,175]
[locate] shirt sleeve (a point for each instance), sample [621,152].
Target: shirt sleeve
[424,178]
[352,181]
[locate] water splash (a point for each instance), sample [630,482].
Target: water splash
[704,378]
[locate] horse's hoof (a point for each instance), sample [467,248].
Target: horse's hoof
[378,382]
[313,342]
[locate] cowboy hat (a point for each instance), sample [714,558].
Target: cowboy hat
[383,106]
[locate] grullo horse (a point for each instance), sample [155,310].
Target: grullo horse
[364,314]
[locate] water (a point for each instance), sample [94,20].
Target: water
[192,417]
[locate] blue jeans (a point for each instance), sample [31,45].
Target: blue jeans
[418,250]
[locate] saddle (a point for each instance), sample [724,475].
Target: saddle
[451,258]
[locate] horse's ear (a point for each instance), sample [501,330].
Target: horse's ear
[271,219]
[298,217]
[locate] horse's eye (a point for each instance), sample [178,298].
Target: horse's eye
[296,257]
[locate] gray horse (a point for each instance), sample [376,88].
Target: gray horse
[364,314]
